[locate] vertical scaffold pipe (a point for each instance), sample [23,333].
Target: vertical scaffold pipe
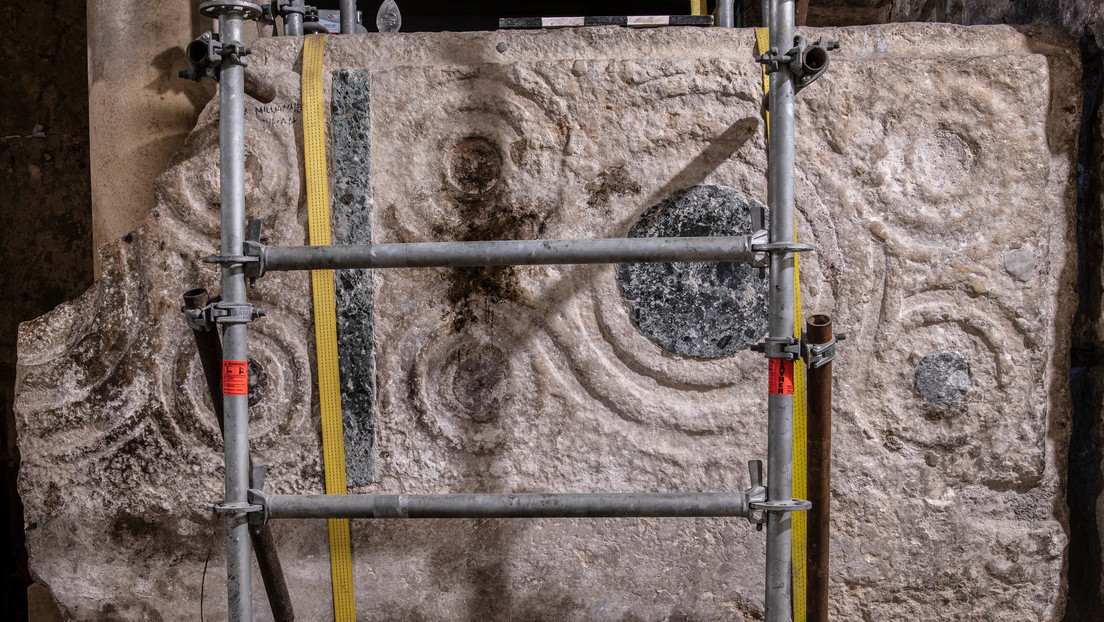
[819,388]
[726,17]
[348,17]
[209,346]
[234,341]
[780,196]
[293,23]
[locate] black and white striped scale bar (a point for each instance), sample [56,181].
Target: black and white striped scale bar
[637,21]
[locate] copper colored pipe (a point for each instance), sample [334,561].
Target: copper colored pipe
[818,385]
[259,88]
[272,573]
[210,351]
[801,13]
[264,544]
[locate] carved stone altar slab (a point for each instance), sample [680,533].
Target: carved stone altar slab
[935,176]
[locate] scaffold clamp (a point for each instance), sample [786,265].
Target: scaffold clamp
[221,313]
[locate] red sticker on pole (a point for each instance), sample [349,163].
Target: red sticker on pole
[235,378]
[781,377]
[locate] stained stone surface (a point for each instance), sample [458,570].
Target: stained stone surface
[927,154]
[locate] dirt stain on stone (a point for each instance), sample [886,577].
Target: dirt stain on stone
[610,182]
[258,382]
[127,527]
[475,165]
[475,168]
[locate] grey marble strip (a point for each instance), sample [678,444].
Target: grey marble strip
[351,219]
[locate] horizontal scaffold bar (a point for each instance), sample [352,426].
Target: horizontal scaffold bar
[566,505]
[507,253]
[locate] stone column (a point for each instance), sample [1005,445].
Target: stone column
[139,110]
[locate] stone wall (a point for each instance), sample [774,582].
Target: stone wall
[936,177]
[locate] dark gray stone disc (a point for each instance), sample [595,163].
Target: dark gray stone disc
[703,310]
[943,377]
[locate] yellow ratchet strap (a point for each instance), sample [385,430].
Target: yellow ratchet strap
[325,324]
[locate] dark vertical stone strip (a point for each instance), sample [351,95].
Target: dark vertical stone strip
[1083,486]
[519,22]
[351,206]
[690,20]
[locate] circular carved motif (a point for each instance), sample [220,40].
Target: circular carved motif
[476,376]
[475,165]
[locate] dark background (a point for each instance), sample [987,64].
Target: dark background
[484,15]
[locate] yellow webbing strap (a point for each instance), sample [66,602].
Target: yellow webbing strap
[798,524]
[697,7]
[799,520]
[325,324]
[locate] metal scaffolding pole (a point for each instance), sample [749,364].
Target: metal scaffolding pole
[235,507]
[789,61]
[726,17]
[293,20]
[780,197]
[348,16]
[505,505]
[234,340]
[209,348]
[819,383]
[510,253]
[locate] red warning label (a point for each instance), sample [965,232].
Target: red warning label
[781,377]
[235,378]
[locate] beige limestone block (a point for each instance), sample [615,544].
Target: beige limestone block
[935,177]
[140,110]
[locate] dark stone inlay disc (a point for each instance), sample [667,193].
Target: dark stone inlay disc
[476,379]
[943,377]
[703,310]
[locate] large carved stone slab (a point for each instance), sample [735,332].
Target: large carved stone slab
[934,176]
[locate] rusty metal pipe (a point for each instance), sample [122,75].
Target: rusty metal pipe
[818,330]
[210,351]
[264,544]
[272,573]
[260,89]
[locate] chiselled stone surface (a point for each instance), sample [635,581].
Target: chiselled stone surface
[536,378]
